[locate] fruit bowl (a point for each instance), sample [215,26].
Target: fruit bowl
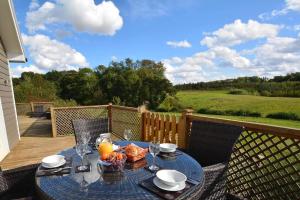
[114,162]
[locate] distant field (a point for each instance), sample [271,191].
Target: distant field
[220,100]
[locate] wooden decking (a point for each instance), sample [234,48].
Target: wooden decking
[36,142]
[31,150]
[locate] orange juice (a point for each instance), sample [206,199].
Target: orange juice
[105,148]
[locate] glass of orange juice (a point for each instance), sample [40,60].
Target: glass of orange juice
[105,148]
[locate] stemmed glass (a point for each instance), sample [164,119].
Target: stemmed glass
[81,151]
[154,150]
[127,134]
[85,139]
[83,185]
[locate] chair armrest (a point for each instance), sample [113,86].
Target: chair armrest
[14,176]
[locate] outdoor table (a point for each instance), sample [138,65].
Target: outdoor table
[119,187]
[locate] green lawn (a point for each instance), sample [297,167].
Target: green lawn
[220,100]
[276,122]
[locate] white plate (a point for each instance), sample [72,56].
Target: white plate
[167,147]
[61,163]
[162,186]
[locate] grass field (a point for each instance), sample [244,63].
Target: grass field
[220,100]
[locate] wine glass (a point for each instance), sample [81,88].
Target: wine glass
[83,186]
[81,151]
[127,134]
[85,139]
[154,150]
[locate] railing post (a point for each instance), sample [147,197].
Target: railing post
[144,126]
[109,107]
[32,107]
[143,110]
[53,121]
[183,128]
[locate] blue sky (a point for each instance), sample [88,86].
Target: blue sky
[197,40]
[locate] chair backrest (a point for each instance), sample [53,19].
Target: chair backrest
[3,184]
[39,108]
[211,143]
[94,126]
[19,182]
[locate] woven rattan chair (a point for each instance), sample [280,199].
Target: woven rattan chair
[18,183]
[94,126]
[211,144]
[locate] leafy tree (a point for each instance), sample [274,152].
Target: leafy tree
[33,87]
[82,86]
[135,82]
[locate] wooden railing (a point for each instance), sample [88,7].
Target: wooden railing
[265,163]
[121,118]
[165,127]
[23,108]
[62,117]
[27,108]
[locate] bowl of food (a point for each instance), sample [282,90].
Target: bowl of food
[168,147]
[135,153]
[113,162]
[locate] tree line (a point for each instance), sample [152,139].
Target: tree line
[281,86]
[128,82]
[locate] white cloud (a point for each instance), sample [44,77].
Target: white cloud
[17,71]
[34,4]
[293,5]
[204,66]
[239,32]
[48,54]
[296,27]
[275,56]
[114,58]
[290,5]
[180,44]
[83,16]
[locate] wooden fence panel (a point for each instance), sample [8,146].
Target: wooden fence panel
[167,134]
[163,127]
[148,126]
[173,130]
[156,129]
[23,108]
[126,118]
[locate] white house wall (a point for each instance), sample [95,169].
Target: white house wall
[8,104]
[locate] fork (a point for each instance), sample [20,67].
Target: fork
[57,170]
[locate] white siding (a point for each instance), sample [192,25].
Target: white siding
[8,104]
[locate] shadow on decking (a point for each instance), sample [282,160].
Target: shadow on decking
[34,127]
